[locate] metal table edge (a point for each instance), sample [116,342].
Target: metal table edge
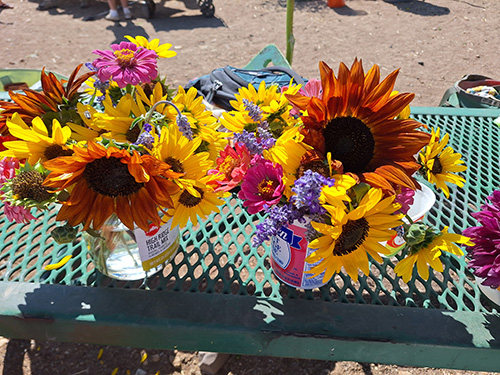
[251,325]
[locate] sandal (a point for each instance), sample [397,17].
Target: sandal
[6,6]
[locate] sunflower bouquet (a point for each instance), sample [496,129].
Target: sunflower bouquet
[341,158]
[114,142]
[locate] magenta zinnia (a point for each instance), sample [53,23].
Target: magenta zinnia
[263,185]
[485,253]
[126,64]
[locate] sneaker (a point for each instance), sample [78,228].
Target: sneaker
[127,13]
[47,4]
[112,17]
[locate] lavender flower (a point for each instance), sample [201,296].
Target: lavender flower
[276,218]
[308,190]
[185,127]
[485,253]
[254,110]
[250,141]
[145,138]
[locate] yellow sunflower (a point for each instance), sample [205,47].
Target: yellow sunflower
[116,121]
[441,163]
[162,50]
[428,255]
[353,234]
[356,122]
[173,148]
[203,123]
[190,207]
[88,131]
[274,105]
[109,180]
[36,144]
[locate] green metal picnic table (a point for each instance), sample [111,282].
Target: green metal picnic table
[219,293]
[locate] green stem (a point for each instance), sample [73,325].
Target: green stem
[290,40]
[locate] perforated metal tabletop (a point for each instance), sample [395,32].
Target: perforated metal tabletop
[219,293]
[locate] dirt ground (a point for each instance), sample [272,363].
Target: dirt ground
[433,42]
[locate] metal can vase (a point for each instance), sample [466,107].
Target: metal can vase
[289,249]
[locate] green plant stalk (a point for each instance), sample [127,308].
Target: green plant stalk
[290,40]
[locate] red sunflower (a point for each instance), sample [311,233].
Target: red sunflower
[103,181]
[54,98]
[356,122]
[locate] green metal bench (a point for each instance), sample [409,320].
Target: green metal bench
[219,293]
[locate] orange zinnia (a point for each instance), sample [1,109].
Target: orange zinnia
[54,97]
[103,181]
[356,122]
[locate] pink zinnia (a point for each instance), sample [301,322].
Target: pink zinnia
[126,64]
[263,185]
[405,198]
[18,214]
[233,163]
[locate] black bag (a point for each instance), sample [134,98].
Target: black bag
[220,86]
[458,97]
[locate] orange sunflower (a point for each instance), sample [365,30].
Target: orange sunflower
[356,121]
[109,180]
[54,97]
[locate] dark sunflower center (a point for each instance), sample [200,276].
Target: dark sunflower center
[437,167]
[110,177]
[350,141]
[188,200]
[55,151]
[354,233]
[133,134]
[175,164]
[28,185]
[315,166]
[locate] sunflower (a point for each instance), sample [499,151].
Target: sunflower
[109,180]
[179,152]
[190,207]
[353,234]
[162,50]
[274,107]
[202,122]
[355,121]
[55,100]
[116,121]
[87,131]
[427,255]
[440,163]
[34,143]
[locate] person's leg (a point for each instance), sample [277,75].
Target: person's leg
[126,10]
[113,12]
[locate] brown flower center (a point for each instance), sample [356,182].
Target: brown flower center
[110,177]
[437,167]
[317,166]
[28,185]
[175,164]
[133,134]
[188,200]
[350,141]
[353,234]
[55,151]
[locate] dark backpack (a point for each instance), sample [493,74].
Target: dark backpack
[220,86]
